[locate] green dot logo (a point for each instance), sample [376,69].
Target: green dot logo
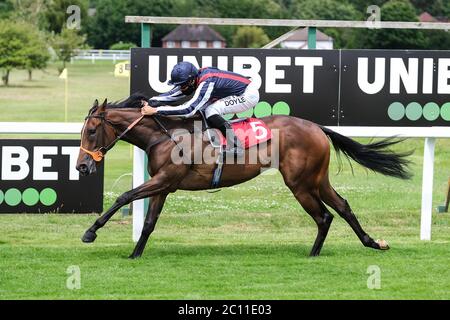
[48,196]
[30,197]
[246,114]
[445,111]
[263,109]
[396,111]
[1,197]
[431,111]
[413,111]
[281,108]
[228,116]
[13,197]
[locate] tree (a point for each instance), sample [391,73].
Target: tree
[250,37]
[38,54]
[395,10]
[330,10]
[262,9]
[108,25]
[6,9]
[66,44]
[14,51]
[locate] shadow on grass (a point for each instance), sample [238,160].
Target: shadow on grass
[24,86]
[232,252]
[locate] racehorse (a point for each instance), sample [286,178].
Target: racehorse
[304,156]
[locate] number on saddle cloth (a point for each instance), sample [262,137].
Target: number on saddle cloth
[250,131]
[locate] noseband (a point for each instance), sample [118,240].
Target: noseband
[100,153]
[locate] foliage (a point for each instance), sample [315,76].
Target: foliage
[108,25]
[395,10]
[122,46]
[21,47]
[55,16]
[250,37]
[38,55]
[66,44]
[329,10]
[6,8]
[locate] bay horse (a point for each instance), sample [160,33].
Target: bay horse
[304,156]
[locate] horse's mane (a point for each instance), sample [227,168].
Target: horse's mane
[133,101]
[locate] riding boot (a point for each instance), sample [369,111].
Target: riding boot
[233,143]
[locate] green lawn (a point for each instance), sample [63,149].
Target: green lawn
[43,98]
[246,242]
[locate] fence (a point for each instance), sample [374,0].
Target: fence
[95,55]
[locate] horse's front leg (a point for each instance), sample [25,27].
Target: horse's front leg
[154,210]
[155,186]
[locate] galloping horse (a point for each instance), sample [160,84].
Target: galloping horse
[304,155]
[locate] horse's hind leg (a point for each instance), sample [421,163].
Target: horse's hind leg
[334,200]
[312,204]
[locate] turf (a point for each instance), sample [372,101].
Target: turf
[250,241]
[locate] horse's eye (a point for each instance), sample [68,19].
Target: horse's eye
[91,132]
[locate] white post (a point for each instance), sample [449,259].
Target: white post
[138,179]
[427,189]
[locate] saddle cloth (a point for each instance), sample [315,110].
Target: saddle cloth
[250,132]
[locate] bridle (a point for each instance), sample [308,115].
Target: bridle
[100,153]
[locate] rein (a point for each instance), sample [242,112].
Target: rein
[100,153]
[166,132]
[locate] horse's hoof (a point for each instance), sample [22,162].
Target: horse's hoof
[134,256]
[89,237]
[382,244]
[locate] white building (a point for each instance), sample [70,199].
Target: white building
[299,40]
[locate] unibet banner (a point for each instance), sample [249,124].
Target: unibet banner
[329,87]
[39,176]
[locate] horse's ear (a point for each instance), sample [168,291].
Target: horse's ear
[95,103]
[103,106]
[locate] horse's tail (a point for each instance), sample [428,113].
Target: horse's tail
[374,156]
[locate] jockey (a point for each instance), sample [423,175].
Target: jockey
[216,92]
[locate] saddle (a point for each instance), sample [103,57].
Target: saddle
[250,132]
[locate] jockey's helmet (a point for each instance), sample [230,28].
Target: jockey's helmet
[182,72]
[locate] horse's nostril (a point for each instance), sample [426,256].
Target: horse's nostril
[82,168]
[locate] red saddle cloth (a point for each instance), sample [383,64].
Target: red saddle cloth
[250,132]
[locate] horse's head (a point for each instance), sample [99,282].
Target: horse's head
[96,137]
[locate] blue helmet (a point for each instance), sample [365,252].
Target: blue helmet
[182,72]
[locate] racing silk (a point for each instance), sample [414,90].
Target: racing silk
[173,95]
[212,84]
